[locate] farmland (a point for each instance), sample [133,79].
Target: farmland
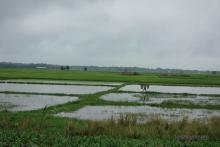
[43,127]
[172,79]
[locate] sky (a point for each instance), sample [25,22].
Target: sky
[182,34]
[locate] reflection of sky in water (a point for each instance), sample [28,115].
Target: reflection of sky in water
[20,102]
[174,89]
[149,99]
[62,82]
[42,88]
[144,113]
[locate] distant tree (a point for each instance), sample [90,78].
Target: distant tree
[85,69]
[67,68]
[62,68]
[214,72]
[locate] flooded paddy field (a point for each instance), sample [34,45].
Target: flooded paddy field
[143,113]
[24,102]
[94,103]
[56,89]
[174,89]
[60,82]
[160,98]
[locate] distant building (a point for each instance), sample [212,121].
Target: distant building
[41,67]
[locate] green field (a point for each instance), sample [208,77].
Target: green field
[40,128]
[155,78]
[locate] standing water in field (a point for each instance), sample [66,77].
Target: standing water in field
[56,89]
[25,102]
[174,89]
[60,82]
[143,113]
[160,98]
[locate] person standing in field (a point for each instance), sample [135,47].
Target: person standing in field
[144,87]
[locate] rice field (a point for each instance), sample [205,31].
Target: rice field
[110,112]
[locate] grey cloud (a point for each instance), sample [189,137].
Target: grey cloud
[148,33]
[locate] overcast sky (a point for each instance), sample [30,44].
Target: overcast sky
[181,34]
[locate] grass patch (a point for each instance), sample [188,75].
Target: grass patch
[127,126]
[193,79]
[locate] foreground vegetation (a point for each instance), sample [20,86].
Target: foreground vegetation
[171,79]
[23,129]
[12,138]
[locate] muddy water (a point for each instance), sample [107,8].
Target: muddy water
[174,89]
[62,82]
[143,113]
[20,102]
[160,98]
[62,89]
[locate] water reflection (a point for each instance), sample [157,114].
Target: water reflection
[173,89]
[20,102]
[57,89]
[160,98]
[60,82]
[143,113]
